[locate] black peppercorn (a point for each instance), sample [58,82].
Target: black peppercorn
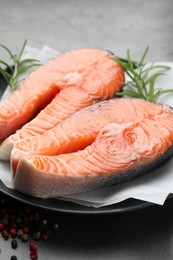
[13,257]
[14,243]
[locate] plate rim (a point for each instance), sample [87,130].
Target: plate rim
[68,207]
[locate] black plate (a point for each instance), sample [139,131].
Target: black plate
[69,207]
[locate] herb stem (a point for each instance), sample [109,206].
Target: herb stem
[141,85]
[14,72]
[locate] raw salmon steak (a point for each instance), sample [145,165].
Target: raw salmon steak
[80,129]
[71,81]
[128,143]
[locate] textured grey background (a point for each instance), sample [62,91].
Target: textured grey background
[114,25]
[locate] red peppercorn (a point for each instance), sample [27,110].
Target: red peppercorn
[3,210]
[36,214]
[5,234]
[44,236]
[1,226]
[13,232]
[13,216]
[33,246]
[25,229]
[34,255]
[30,217]
[27,210]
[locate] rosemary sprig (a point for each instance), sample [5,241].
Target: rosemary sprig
[140,83]
[12,73]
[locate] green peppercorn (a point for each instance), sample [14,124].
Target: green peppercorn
[44,222]
[5,221]
[24,237]
[19,232]
[18,220]
[37,235]
[2,200]
[6,216]
[20,214]
[55,225]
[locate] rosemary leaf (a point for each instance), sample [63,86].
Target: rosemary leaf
[6,49]
[22,50]
[24,69]
[151,89]
[18,68]
[5,74]
[129,60]
[29,60]
[6,65]
[161,92]
[143,56]
[128,93]
[142,78]
[146,71]
[153,77]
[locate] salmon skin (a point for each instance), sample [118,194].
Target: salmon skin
[88,74]
[136,139]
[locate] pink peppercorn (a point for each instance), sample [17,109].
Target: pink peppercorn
[13,216]
[30,217]
[33,246]
[5,234]
[13,232]
[25,229]
[1,226]
[34,255]
[44,236]
[27,210]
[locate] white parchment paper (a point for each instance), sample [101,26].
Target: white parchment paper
[153,187]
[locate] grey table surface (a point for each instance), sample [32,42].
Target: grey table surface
[115,25]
